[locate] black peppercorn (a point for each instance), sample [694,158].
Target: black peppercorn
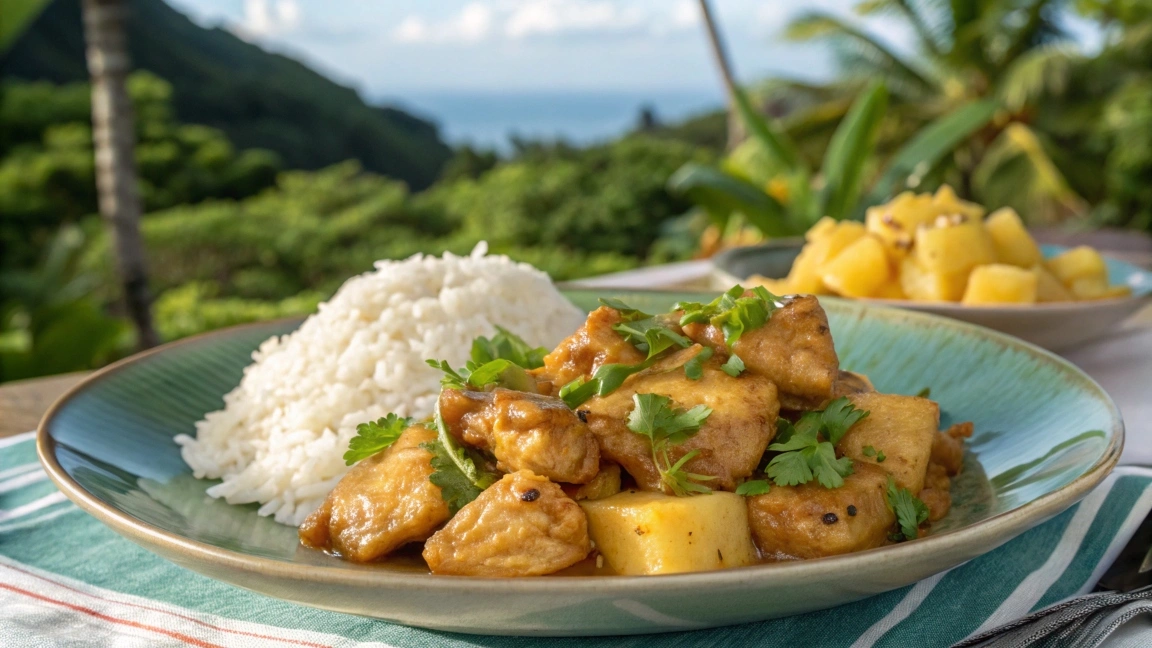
[830,518]
[530,495]
[582,415]
[852,510]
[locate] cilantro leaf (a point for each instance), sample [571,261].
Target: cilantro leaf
[606,380]
[924,393]
[374,436]
[754,487]
[829,470]
[654,417]
[734,366]
[789,469]
[732,312]
[627,313]
[452,379]
[838,417]
[576,392]
[910,511]
[499,372]
[870,451]
[454,469]
[694,368]
[651,335]
[506,345]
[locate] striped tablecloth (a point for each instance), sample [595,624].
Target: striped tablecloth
[67,580]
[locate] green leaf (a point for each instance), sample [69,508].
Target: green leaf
[575,393]
[694,368]
[452,379]
[653,416]
[910,511]
[734,366]
[499,372]
[924,393]
[838,417]
[850,151]
[609,377]
[773,140]
[18,15]
[789,469]
[374,436]
[827,469]
[454,468]
[627,313]
[506,345]
[754,487]
[929,145]
[722,193]
[731,312]
[651,335]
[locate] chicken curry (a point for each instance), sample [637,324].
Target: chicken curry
[715,435]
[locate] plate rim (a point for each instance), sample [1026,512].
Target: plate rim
[1004,525]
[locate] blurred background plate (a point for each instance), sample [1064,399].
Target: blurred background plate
[1055,326]
[1046,434]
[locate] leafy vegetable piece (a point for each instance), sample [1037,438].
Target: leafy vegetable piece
[606,380]
[734,366]
[721,193]
[500,372]
[576,392]
[654,417]
[733,313]
[651,335]
[910,511]
[454,469]
[506,345]
[452,379]
[694,368]
[754,487]
[807,449]
[627,313]
[374,436]
[869,451]
[924,393]
[850,150]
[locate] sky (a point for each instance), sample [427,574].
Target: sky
[393,48]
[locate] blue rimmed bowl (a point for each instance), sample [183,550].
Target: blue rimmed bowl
[1056,326]
[1046,435]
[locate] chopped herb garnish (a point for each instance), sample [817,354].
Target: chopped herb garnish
[606,380]
[734,366]
[869,451]
[374,436]
[733,313]
[665,426]
[627,313]
[651,335]
[754,487]
[506,345]
[694,368]
[499,372]
[455,469]
[807,449]
[924,393]
[910,511]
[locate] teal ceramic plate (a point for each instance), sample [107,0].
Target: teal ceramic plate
[1045,435]
[1052,326]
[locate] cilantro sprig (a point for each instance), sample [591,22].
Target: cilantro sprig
[694,368]
[651,335]
[732,312]
[654,417]
[807,449]
[910,511]
[734,366]
[879,455]
[606,380]
[375,436]
[754,487]
[506,345]
[456,469]
[499,372]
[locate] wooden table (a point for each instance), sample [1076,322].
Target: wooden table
[23,402]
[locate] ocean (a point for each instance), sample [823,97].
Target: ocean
[487,119]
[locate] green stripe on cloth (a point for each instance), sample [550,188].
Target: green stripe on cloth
[17,451]
[939,611]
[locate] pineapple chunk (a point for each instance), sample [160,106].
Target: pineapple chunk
[1089,288]
[774,286]
[955,245]
[1013,244]
[1114,292]
[998,283]
[1049,288]
[923,285]
[903,428]
[821,229]
[641,532]
[895,223]
[946,202]
[1079,263]
[804,277]
[859,270]
[890,290]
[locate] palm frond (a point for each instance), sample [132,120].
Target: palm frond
[1018,171]
[924,32]
[1043,71]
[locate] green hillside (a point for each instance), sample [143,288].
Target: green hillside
[259,99]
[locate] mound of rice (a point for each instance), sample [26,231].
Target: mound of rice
[281,436]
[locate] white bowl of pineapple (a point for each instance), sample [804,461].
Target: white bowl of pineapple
[939,254]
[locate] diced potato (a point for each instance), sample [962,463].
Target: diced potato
[1078,263]
[859,270]
[810,521]
[902,428]
[923,285]
[640,532]
[999,283]
[954,247]
[1089,288]
[1013,244]
[1049,288]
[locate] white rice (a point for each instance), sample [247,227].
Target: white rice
[281,436]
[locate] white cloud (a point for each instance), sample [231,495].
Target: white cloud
[264,18]
[525,19]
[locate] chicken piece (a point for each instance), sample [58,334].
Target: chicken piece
[793,349]
[937,492]
[731,441]
[902,428]
[523,525]
[524,431]
[810,521]
[592,346]
[384,502]
[606,483]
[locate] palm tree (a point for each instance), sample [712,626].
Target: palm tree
[113,136]
[720,53]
